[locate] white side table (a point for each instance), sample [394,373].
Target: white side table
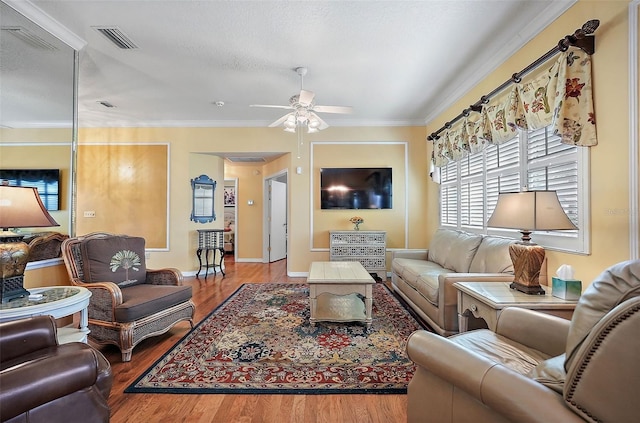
[486,300]
[57,301]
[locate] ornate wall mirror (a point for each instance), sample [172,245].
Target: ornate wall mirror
[203,195]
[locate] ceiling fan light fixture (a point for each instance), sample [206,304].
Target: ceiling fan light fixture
[312,130]
[290,129]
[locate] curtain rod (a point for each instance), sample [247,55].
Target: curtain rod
[580,38]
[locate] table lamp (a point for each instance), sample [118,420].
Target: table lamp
[528,211]
[20,207]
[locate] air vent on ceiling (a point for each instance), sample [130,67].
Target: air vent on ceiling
[246,159]
[28,37]
[116,36]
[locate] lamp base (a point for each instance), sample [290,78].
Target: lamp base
[527,259]
[14,255]
[531,290]
[12,288]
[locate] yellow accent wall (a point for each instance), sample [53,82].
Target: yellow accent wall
[609,176]
[126,186]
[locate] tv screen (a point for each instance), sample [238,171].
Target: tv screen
[356,188]
[47,181]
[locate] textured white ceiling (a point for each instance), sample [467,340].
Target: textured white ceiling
[395,62]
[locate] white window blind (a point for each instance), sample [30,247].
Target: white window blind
[534,160]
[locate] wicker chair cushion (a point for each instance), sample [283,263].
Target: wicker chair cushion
[144,300]
[118,259]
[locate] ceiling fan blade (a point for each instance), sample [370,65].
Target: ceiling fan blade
[306,97]
[280,121]
[271,106]
[323,124]
[333,109]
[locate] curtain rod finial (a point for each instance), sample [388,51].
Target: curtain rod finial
[590,26]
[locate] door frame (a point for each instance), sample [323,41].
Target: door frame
[278,176]
[234,182]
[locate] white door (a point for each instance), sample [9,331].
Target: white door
[277,220]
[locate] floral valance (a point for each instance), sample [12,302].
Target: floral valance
[560,96]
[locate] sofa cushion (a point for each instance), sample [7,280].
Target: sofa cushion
[492,256]
[453,249]
[116,258]
[410,269]
[615,285]
[143,300]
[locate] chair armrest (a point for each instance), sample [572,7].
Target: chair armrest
[105,297]
[20,337]
[539,331]
[167,276]
[508,393]
[38,382]
[410,254]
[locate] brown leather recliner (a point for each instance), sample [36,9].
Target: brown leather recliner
[536,367]
[41,381]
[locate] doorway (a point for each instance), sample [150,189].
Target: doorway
[276,217]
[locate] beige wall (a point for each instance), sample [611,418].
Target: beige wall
[187,143]
[609,176]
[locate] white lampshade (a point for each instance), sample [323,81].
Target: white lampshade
[530,211]
[21,207]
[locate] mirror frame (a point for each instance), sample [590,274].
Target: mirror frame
[203,209]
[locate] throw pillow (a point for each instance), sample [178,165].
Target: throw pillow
[117,258]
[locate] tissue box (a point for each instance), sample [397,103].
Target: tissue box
[566,289]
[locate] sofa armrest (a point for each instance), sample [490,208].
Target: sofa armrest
[38,382]
[539,331]
[20,337]
[167,276]
[410,254]
[508,393]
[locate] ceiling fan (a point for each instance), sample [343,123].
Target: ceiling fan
[304,110]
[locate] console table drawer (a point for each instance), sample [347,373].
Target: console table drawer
[367,247]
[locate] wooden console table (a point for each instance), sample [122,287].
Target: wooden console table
[367,247]
[210,241]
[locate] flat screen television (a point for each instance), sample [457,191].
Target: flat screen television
[47,181]
[356,188]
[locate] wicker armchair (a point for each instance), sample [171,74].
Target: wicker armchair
[129,302]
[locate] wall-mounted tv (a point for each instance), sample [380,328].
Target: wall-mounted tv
[356,188]
[46,180]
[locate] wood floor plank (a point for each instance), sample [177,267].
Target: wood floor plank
[222,408]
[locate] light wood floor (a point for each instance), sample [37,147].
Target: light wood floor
[234,408]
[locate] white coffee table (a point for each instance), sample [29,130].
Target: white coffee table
[57,301]
[340,291]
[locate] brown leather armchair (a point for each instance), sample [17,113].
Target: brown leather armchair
[129,302]
[41,381]
[536,367]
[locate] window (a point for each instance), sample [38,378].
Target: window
[534,160]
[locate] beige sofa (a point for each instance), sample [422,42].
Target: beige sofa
[424,278]
[537,368]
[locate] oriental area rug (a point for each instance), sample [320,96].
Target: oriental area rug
[260,341]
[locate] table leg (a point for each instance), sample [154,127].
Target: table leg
[313,303]
[199,254]
[368,305]
[221,258]
[84,322]
[463,322]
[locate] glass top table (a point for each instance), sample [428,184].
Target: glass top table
[57,301]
